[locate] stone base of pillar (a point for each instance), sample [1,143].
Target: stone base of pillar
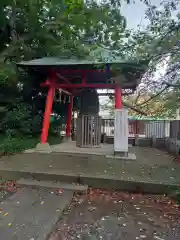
[68,139]
[120,154]
[43,147]
[125,157]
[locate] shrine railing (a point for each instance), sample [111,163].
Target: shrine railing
[142,128]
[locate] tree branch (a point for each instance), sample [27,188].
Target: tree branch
[134,109]
[154,96]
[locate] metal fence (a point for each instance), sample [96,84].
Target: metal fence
[107,127]
[143,128]
[159,129]
[135,127]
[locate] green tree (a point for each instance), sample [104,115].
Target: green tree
[160,42]
[38,28]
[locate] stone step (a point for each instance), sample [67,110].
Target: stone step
[123,182]
[32,213]
[53,184]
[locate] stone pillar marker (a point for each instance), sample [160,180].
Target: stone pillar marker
[121,132]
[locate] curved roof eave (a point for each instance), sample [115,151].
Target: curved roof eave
[59,62]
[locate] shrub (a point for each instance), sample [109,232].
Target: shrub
[16,145]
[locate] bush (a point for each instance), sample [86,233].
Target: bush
[56,125]
[177,194]
[20,129]
[16,145]
[19,120]
[10,146]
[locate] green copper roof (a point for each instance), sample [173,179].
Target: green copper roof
[127,73]
[60,62]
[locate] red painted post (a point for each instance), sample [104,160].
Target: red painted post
[69,119]
[48,109]
[118,97]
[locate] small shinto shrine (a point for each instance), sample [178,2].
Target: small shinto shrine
[74,76]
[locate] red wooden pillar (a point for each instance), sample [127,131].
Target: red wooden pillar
[48,109]
[118,97]
[69,119]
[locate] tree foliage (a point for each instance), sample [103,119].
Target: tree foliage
[37,28]
[160,42]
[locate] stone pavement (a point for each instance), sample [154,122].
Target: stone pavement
[51,184]
[153,171]
[31,213]
[119,216]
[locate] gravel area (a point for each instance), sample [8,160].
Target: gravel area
[110,215]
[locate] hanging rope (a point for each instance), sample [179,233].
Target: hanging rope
[60,96]
[64,100]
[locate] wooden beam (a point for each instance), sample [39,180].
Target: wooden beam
[81,85]
[63,78]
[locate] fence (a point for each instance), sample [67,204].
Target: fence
[175,129]
[145,128]
[163,134]
[88,132]
[142,128]
[159,129]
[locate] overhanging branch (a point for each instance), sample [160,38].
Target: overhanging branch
[134,109]
[154,96]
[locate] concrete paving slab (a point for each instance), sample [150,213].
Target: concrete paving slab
[130,157]
[52,184]
[31,213]
[70,147]
[153,171]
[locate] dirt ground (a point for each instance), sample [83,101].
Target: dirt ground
[7,188]
[110,215]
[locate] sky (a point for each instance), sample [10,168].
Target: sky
[135,13]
